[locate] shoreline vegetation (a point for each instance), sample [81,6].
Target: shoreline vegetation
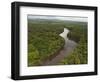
[44,42]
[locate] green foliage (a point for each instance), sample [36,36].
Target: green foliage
[79,55]
[43,42]
[33,56]
[78,33]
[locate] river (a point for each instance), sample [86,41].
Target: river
[68,47]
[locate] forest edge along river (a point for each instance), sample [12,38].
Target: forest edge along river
[68,47]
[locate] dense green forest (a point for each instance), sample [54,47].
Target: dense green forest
[44,41]
[78,55]
[78,33]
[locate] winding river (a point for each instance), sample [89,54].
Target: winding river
[68,47]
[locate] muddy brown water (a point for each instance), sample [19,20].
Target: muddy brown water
[68,47]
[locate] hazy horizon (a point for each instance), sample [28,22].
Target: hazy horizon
[66,18]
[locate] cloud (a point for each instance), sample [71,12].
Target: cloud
[69,18]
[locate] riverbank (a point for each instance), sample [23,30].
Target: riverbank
[68,47]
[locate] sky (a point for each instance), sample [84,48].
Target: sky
[70,18]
